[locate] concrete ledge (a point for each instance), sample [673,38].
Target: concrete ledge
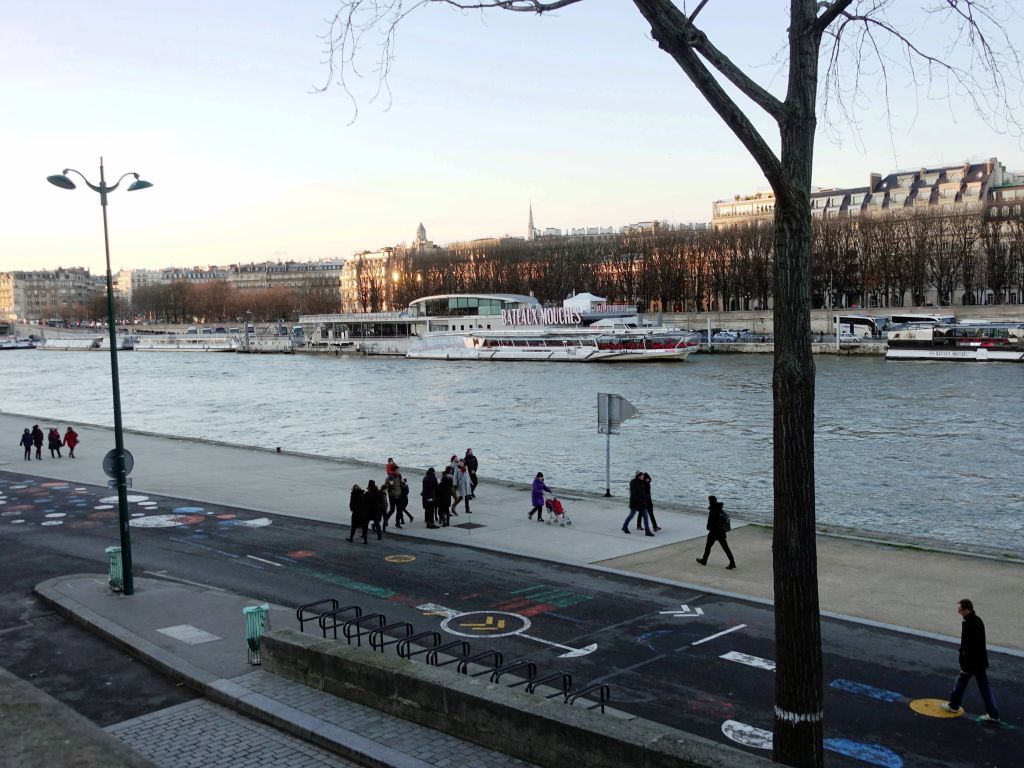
[37,730]
[544,732]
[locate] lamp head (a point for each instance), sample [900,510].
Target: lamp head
[60,180]
[139,184]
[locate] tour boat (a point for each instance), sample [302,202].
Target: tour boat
[186,343]
[15,342]
[973,342]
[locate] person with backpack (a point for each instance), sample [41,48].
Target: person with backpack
[718,526]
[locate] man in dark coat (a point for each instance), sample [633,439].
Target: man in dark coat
[359,518]
[637,503]
[429,496]
[471,465]
[973,661]
[716,532]
[37,441]
[444,497]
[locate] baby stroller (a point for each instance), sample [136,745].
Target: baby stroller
[556,512]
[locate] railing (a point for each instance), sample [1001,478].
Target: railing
[565,684]
[335,618]
[604,695]
[354,627]
[405,650]
[495,657]
[378,641]
[302,611]
[504,669]
[433,661]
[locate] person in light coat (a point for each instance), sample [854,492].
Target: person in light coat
[462,484]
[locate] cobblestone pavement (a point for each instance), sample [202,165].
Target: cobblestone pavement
[202,734]
[412,739]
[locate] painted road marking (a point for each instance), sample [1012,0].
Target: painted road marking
[186,633]
[933,708]
[863,689]
[759,738]
[163,575]
[268,562]
[399,558]
[492,624]
[684,610]
[723,632]
[750,661]
[647,637]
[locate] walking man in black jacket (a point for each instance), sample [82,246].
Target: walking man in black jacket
[717,532]
[973,661]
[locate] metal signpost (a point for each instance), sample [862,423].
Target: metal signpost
[612,410]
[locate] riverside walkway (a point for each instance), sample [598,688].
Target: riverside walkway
[905,587]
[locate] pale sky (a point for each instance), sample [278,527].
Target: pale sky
[578,113]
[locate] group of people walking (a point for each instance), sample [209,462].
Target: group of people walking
[33,438]
[640,505]
[374,507]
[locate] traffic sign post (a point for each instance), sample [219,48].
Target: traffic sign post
[612,410]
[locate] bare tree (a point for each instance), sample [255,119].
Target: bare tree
[855,30]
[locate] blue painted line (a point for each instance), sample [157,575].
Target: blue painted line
[868,753]
[647,637]
[286,559]
[863,689]
[201,546]
[573,619]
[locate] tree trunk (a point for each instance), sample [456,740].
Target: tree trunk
[798,674]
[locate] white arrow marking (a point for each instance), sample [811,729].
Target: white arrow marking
[750,661]
[747,735]
[268,562]
[685,610]
[723,632]
[572,652]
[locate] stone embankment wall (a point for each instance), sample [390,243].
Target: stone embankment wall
[545,732]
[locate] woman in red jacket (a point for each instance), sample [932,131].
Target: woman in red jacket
[71,440]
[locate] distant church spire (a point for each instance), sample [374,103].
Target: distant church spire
[421,233]
[530,232]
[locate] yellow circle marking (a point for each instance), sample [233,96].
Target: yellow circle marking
[400,558]
[933,708]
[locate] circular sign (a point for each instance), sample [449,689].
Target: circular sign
[110,463]
[400,558]
[486,624]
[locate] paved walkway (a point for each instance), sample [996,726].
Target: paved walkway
[906,588]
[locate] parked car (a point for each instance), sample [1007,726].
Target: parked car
[724,336]
[845,337]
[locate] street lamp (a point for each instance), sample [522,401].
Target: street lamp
[61,180]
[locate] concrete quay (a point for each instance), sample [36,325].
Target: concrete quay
[903,585]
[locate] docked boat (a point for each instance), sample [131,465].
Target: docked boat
[15,342]
[186,343]
[972,342]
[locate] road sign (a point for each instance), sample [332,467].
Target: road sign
[110,462]
[612,410]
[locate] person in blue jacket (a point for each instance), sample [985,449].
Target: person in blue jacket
[537,496]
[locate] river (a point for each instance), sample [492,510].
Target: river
[929,449]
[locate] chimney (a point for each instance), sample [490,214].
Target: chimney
[874,180]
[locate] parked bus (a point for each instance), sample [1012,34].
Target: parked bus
[922,318]
[858,325]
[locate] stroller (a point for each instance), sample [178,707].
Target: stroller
[556,512]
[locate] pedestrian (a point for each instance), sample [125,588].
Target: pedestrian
[637,505]
[53,442]
[358,509]
[26,443]
[648,504]
[393,488]
[374,506]
[471,464]
[390,468]
[37,441]
[537,497]
[973,662]
[717,528]
[71,440]
[429,495]
[463,486]
[444,497]
[403,502]
[453,463]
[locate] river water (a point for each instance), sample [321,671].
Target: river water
[929,449]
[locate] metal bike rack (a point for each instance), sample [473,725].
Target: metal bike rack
[504,669]
[302,611]
[432,653]
[330,619]
[564,678]
[605,695]
[405,644]
[354,627]
[465,661]
[377,636]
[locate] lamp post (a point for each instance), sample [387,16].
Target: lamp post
[61,180]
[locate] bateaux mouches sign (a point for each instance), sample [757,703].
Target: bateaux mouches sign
[545,316]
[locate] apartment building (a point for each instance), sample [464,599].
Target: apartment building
[6,296]
[47,294]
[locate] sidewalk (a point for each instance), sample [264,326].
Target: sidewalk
[902,586]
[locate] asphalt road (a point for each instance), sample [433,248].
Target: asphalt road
[689,659]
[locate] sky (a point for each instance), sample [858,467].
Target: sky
[577,113]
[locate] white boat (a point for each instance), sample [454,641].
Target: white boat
[71,343]
[971,342]
[186,343]
[16,342]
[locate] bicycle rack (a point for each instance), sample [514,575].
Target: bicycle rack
[432,653]
[302,610]
[355,627]
[566,684]
[377,641]
[463,666]
[405,644]
[529,666]
[329,619]
[604,697]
